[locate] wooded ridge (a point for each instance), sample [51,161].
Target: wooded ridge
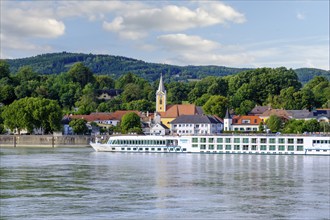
[116,66]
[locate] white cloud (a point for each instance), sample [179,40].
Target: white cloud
[183,42]
[31,23]
[189,49]
[171,18]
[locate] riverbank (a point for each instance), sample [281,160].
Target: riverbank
[48,141]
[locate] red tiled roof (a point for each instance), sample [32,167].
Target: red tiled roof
[117,115]
[238,120]
[173,111]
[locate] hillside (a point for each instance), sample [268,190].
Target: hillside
[115,66]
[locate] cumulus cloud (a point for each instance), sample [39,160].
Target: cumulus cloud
[31,23]
[183,42]
[171,18]
[190,49]
[23,22]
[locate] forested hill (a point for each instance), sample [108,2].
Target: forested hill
[115,66]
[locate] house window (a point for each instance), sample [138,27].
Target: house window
[245,121]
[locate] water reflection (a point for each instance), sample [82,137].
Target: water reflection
[82,184]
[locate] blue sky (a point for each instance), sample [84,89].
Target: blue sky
[293,34]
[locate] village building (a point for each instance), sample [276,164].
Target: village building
[107,94]
[196,125]
[168,113]
[244,123]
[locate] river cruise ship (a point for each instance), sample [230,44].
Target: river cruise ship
[220,144]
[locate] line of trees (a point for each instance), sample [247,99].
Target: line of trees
[77,89]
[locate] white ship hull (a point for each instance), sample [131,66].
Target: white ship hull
[221,144]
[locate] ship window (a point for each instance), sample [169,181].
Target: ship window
[211,147]
[281,148]
[140,148]
[159,149]
[134,148]
[272,147]
[195,145]
[300,148]
[263,147]
[184,149]
[290,141]
[254,147]
[219,140]
[113,148]
[254,140]
[152,148]
[272,140]
[211,140]
[300,141]
[281,140]
[228,147]
[236,147]
[324,150]
[202,146]
[245,140]
[227,140]
[236,140]
[128,148]
[194,140]
[263,140]
[219,147]
[146,148]
[122,148]
[245,147]
[203,140]
[290,148]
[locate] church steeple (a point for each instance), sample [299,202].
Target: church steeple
[161,96]
[161,87]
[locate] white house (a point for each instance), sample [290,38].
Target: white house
[196,124]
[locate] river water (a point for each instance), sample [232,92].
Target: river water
[78,183]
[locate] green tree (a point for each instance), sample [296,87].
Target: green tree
[202,100]
[311,125]
[30,113]
[274,123]
[130,121]
[104,82]
[216,105]
[245,107]
[87,102]
[177,92]
[4,69]
[81,74]
[131,92]
[79,126]
[293,126]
